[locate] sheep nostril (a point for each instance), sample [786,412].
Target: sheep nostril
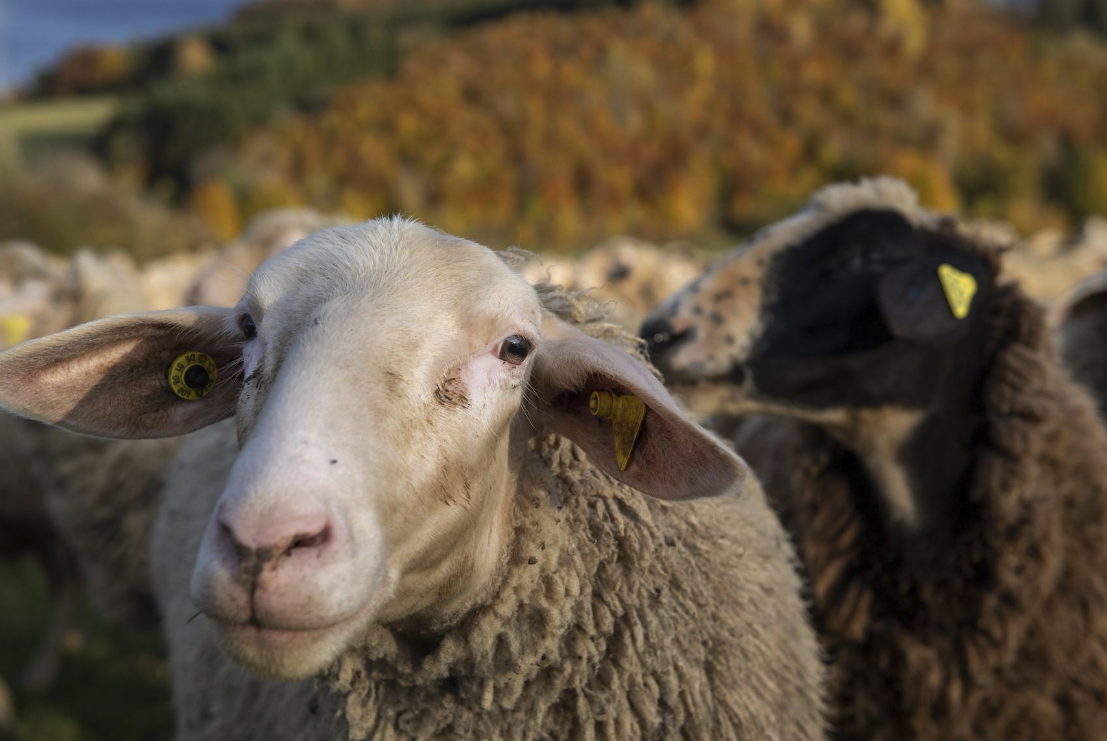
[310,541]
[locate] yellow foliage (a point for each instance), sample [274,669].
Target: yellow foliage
[666,122]
[927,176]
[214,203]
[268,194]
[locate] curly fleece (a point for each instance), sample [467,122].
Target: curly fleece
[615,616]
[1004,634]
[618,617]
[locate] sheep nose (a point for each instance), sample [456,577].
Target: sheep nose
[662,340]
[260,547]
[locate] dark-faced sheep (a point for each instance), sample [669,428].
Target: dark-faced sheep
[431,512]
[1082,323]
[944,481]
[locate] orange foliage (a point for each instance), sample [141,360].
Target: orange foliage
[666,122]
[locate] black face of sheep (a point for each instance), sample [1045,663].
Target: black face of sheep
[836,314]
[854,313]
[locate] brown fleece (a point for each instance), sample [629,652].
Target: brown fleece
[1003,635]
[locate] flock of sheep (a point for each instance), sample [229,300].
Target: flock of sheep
[848,481]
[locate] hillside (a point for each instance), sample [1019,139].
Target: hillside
[557,122]
[660,121]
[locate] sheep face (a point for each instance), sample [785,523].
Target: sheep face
[390,495]
[831,313]
[391,378]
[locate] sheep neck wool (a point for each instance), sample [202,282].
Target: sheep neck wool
[607,584]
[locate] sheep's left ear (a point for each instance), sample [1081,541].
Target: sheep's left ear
[661,453]
[931,298]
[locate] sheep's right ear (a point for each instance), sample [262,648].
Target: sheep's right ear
[112,377]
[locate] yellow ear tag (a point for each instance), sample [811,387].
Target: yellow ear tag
[626,414]
[192,376]
[14,328]
[959,289]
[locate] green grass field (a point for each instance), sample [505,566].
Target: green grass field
[113,684]
[51,126]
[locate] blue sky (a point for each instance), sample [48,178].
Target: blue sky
[36,32]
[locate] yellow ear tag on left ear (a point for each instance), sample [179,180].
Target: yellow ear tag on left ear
[959,289]
[192,375]
[626,414]
[14,328]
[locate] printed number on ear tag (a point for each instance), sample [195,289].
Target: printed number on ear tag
[959,289]
[14,328]
[626,414]
[192,375]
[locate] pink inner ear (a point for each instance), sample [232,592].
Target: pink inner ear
[673,458]
[110,378]
[136,377]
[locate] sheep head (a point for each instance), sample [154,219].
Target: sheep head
[861,301]
[863,314]
[386,380]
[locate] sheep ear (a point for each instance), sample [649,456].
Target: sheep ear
[112,377]
[1088,294]
[670,457]
[931,298]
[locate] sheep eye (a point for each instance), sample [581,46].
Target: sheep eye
[249,329]
[514,349]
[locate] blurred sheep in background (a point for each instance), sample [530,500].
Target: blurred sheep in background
[630,274]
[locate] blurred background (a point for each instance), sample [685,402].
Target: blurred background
[608,135]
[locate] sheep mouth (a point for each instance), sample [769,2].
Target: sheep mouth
[264,634]
[737,377]
[290,655]
[293,653]
[731,392]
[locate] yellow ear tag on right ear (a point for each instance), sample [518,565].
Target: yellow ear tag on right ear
[14,328]
[626,414]
[959,289]
[192,375]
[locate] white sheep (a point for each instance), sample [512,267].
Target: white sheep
[221,281]
[630,274]
[430,512]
